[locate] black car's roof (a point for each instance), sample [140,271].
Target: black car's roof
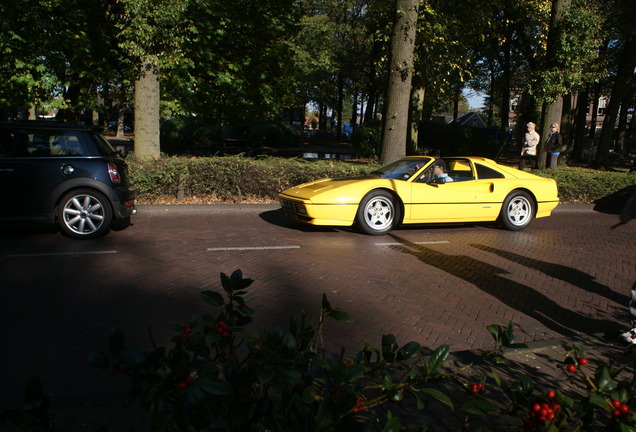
[43,124]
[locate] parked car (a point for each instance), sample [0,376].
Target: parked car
[55,172]
[406,192]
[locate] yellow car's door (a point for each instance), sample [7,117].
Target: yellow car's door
[447,202]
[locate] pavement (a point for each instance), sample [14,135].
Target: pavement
[539,359]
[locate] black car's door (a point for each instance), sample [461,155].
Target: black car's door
[27,178]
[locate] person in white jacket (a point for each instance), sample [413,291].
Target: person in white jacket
[529,148]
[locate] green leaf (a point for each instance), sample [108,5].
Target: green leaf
[438,357]
[158,413]
[598,400]
[480,406]
[195,394]
[339,315]
[603,379]
[326,306]
[408,350]
[116,341]
[213,386]
[392,425]
[212,298]
[97,359]
[438,396]
[496,331]
[13,417]
[626,428]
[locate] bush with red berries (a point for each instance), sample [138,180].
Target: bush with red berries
[220,376]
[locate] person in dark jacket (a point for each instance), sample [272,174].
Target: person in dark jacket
[553,145]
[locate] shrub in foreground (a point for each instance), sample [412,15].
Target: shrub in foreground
[220,376]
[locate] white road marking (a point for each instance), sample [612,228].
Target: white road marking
[251,248]
[419,243]
[54,254]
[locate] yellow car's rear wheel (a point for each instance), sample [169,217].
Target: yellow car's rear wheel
[517,211]
[378,213]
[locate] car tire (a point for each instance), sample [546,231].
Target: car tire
[84,214]
[378,213]
[517,211]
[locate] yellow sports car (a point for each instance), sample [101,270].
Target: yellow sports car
[422,189]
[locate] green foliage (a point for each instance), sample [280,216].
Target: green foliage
[237,178]
[591,186]
[453,140]
[368,138]
[229,178]
[218,375]
[181,133]
[266,134]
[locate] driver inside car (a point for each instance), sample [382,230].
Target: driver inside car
[438,174]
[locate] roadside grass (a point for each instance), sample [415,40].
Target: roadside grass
[239,179]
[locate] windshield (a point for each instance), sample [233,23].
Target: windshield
[402,169]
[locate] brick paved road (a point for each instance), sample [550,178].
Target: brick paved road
[565,275]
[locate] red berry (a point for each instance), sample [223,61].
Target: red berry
[624,408]
[536,407]
[188,379]
[615,403]
[182,385]
[583,361]
[571,368]
[551,394]
[616,413]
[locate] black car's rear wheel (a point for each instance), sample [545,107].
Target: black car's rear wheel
[84,214]
[517,211]
[378,213]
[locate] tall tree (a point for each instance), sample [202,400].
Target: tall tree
[622,82]
[152,33]
[396,113]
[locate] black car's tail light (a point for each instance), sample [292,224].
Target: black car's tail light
[113,172]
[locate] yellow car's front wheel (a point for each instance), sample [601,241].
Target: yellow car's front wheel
[378,213]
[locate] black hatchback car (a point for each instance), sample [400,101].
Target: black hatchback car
[56,172]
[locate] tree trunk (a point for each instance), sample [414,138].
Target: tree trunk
[400,76]
[504,107]
[579,140]
[567,123]
[551,113]
[340,105]
[417,109]
[624,75]
[147,112]
[621,133]
[594,107]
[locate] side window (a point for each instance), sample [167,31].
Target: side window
[483,172]
[459,169]
[40,145]
[6,144]
[67,145]
[48,144]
